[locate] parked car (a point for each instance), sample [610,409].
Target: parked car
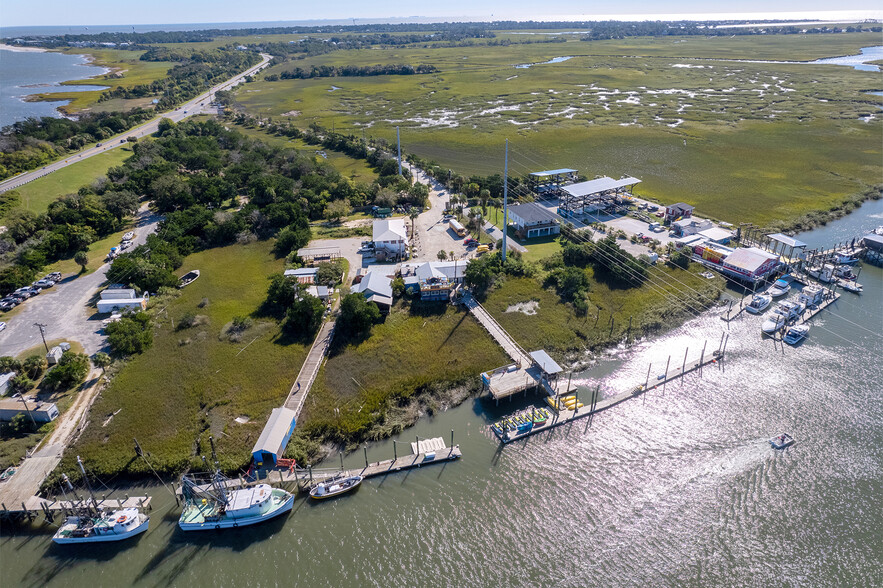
[24,293]
[652,207]
[129,236]
[2,326]
[34,290]
[660,214]
[54,276]
[8,304]
[125,245]
[44,283]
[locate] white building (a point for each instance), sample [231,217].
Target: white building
[4,382]
[691,226]
[532,220]
[116,299]
[390,235]
[303,275]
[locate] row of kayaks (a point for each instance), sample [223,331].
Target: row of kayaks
[521,422]
[570,402]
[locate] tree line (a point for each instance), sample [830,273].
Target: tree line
[332,71]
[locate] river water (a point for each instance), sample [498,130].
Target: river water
[673,488]
[30,72]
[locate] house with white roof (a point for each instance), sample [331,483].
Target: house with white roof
[376,287]
[390,237]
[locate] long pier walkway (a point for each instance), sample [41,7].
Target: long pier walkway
[307,375]
[505,340]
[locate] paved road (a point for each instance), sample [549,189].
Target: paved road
[64,308]
[194,106]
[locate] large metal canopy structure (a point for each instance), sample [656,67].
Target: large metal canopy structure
[592,195]
[550,180]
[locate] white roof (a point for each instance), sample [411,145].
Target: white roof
[691,240]
[452,270]
[716,234]
[690,221]
[749,258]
[599,185]
[302,271]
[789,241]
[546,363]
[275,431]
[389,229]
[375,282]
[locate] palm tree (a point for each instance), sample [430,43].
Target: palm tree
[101,360]
[34,366]
[413,216]
[442,255]
[483,198]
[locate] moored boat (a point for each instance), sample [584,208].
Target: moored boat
[845,257]
[782,441]
[796,334]
[851,286]
[773,323]
[824,273]
[335,487]
[759,303]
[779,288]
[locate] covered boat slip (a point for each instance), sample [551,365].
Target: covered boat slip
[507,381]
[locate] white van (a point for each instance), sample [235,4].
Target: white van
[655,227]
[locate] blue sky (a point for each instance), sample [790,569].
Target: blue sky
[85,12]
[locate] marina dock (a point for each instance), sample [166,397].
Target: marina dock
[34,505]
[562,416]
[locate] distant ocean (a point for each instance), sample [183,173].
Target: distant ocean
[23,73]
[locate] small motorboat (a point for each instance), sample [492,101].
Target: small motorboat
[188,278]
[773,323]
[779,288]
[782,441]
[824,274]
[759,303]
[789,309]
[335,487]
[796,334]
[811,295]
[850,286]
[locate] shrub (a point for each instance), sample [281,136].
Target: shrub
[131,334]
[9,364]
[357,315]
[71,371]
[34,366]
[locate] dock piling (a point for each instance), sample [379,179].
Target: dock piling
[666,375]
[702,358]
[452,437]
[684,365]
[365,447]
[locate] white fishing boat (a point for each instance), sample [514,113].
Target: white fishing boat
[114,525]
[851,286]
[759,303]
[210,504]
[779,288]
[811,295]
[782,441]
[796,334]
[790,309]
[774,321]
[188,278]
[824,273]
[335,487]
[845,257]
[92,525]
[844,272]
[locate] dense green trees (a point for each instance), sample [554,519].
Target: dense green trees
[131,334]
[357,315]
[71,371]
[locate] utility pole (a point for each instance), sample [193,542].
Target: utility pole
[28,409]
[399,143]
[42,328]
[505,198]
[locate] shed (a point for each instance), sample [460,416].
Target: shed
[303,275]
[4,382]
[274,438]
[546,363]
[54,355]
[678,210]
[42,412]
[113,304]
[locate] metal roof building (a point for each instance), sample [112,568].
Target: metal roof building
[546,363]
[274,438]
[599,186]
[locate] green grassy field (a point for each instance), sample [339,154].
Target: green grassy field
[751,142]
[37,195]
[556,328]
[192,383]
[124,63]
[415,348]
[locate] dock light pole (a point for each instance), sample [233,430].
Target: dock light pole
[505,199]
[399,143]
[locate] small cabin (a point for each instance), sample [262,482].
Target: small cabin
[274,438]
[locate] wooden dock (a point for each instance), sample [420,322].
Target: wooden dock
[35,505]
[830,299]
[564,416]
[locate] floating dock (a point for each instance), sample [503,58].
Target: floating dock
[562,416]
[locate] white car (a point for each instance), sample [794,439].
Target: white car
[2,326]
[129,236]
[125,244]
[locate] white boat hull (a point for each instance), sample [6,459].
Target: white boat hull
[239,522]
[105,538]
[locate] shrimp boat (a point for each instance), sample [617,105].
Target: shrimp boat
[759,303]
[91,525]
[209,504]
[335,487]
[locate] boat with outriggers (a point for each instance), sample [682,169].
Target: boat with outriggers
[759,303]
[782,441]
[335,486]
[92,525]
[211,504]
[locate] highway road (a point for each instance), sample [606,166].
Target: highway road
[194,106]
